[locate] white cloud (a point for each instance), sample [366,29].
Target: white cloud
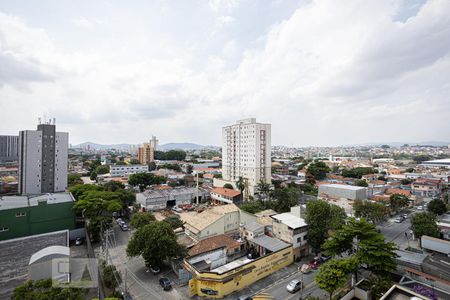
[328,74]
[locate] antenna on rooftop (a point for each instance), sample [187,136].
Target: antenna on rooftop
[40,121]
[54,121]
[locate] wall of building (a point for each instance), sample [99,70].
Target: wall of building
[9,148]
[38,219]
[30,155]
[246,152]
[343,193]
[212,285]
[61,155]
[217,258]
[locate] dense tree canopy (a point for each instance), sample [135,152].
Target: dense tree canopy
[156,242]
[398,202]
[322,218]
[174,222]
[357,172]
[43,289]
[73,179]
[362,183]
[424,224]
[170,155]
[145,179]
[174,167]
[368,246]
[331,276]
[318,169]
[375,212]
[437,206]
[141,219]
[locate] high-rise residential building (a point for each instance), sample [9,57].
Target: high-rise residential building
[9,148]
[246,153]
[146,152]
[43,160]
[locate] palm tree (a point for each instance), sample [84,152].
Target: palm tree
[240,184]
[263,188]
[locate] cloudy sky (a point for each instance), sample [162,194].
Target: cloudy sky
[321,72]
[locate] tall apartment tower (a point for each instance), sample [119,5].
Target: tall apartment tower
[146,152]
[9,148]
[43,160]
[246,153]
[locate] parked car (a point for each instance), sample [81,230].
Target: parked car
[165,283]
[305,269]
[78,241]
[177,209]
[324,259]
[124,227]
[420,207]
[399,219]
[155,270]
[314,264]
[294,286]
[244,297]
[118,221]
[405,216]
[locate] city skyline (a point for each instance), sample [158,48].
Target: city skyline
[321,73]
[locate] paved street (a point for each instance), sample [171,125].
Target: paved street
[139,283]
[395,232]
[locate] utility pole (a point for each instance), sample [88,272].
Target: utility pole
[196,175]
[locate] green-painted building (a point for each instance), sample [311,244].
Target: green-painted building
[28,215]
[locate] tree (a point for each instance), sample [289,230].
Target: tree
[362,183]
[93,176]
[424,224]
[74,179]
[113,186]
[189,169]
[285,199]
[398,201]
[263,188]
[318,169]
[134,161]
[174,167]
[409,170]
[368,246]
[421,158]
[437,206]
[309,189]
[145,179]
[331,276]
[174,222]
[240,184]
[156,242]
[111,277]
[375,212]
[170,155]
[321,217]
[151,166]
[43,289]
[141,219]
[102,170]
[357,172]
[378,286]
[406,181]
[228,186]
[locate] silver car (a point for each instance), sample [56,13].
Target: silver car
[294,286]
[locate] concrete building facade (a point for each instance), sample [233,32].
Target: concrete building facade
[26,215]
[146,152]
[43,160]
[246,153]
[292,229]
[9,148]
[127,170]
[350,192]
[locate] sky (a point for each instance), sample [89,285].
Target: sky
[323,73]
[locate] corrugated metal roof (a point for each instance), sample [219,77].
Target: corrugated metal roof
[269,243]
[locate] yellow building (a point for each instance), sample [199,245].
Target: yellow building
[146,152]
[219,280]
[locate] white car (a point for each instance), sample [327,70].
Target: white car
[420,207]
[294,286]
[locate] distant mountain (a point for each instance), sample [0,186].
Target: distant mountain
[399,144]
[184,146]
[95,146]
[164,147]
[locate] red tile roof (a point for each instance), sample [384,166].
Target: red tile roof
[398,191]
[213,243]
[225,192]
